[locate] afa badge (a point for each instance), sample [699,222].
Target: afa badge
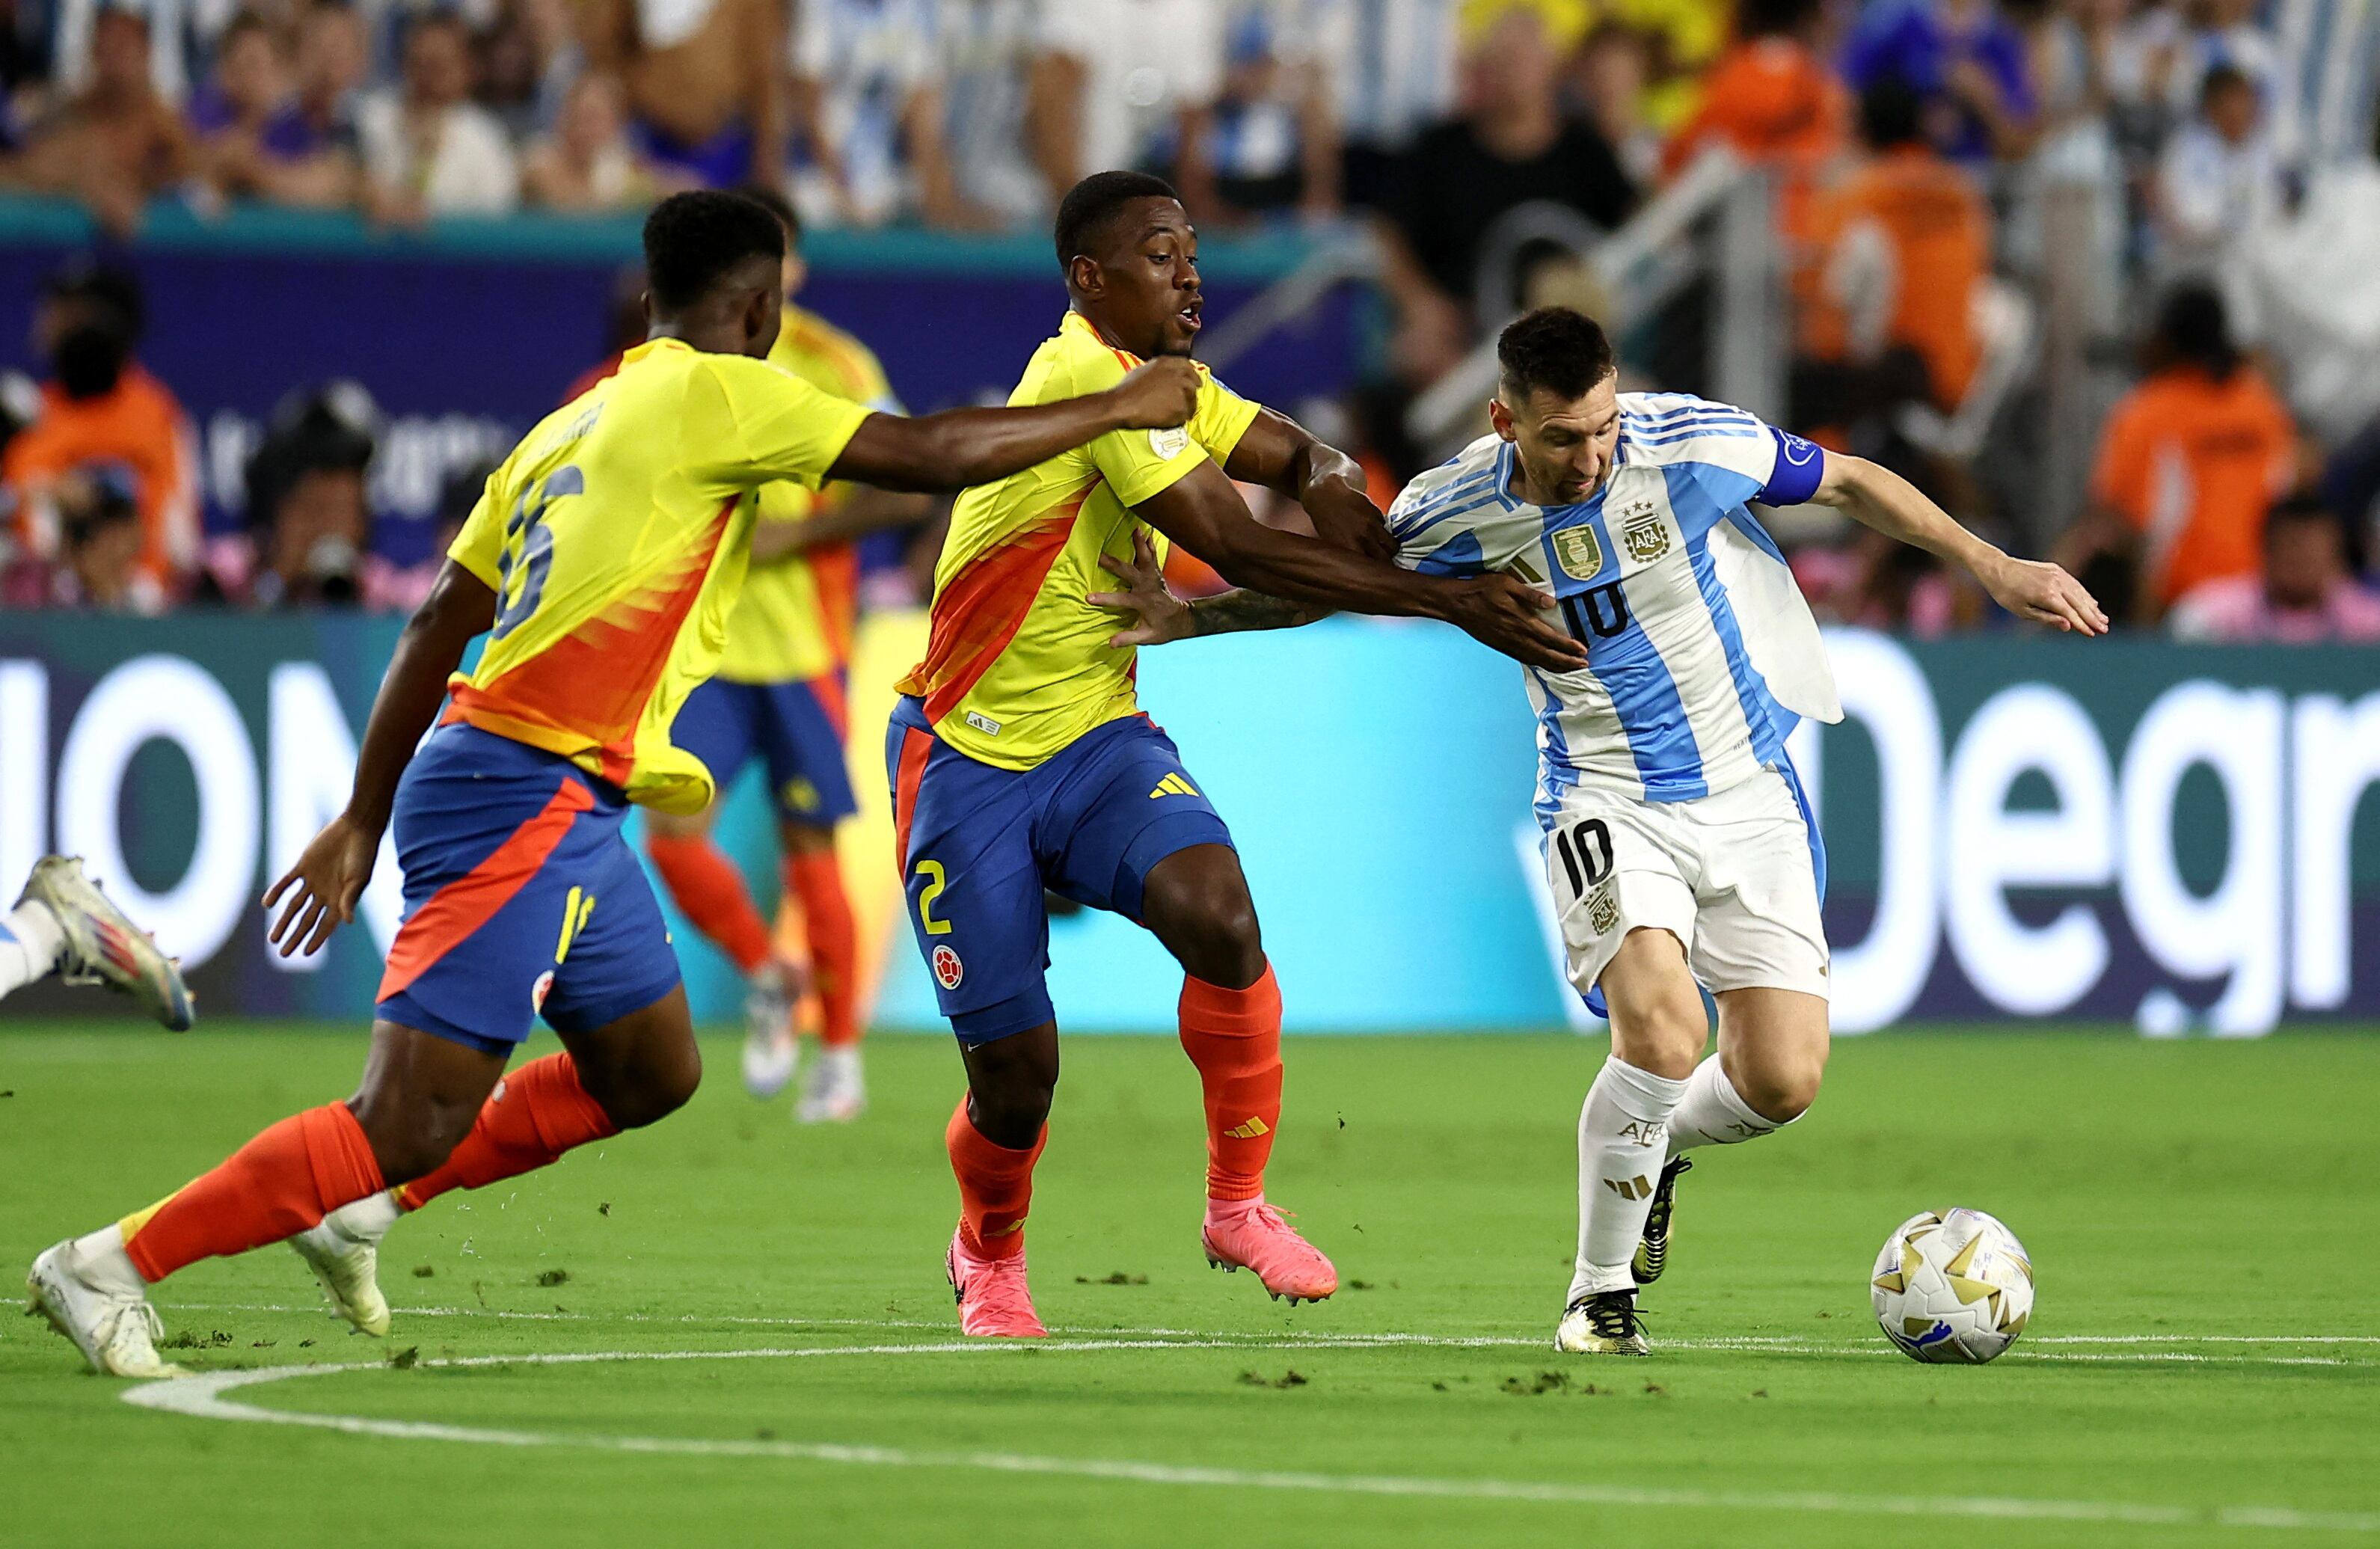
[1646,535]
[1578,552]
[948,969]
[1602,912]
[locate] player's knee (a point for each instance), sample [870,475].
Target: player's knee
[1783,1092]
[1012,1113]
[1213,931]
[406,1152]
[652,1091]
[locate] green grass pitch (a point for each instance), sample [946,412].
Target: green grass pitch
[2203,1367]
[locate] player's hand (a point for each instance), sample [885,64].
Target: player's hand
[2044,593]
[1510,616]
[323,886]
[1157,394]
[1162,615]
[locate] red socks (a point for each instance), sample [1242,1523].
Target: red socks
[277,1185]
[709,891]
[816,878]
[995,1187]
[1233,1037]
[535,1114]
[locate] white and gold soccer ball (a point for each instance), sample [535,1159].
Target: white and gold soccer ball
[1954,1287]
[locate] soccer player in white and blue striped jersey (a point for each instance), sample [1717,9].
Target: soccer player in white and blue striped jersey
[1679,847]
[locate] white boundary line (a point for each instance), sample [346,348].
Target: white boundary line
[1325,1339]
[203,1398]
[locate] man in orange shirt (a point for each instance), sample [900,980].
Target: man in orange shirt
[1771,98]
[101,410]
[2188,460]
[1899,247]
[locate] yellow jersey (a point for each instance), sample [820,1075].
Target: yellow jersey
[1017,664]
[614,538]
[795,619]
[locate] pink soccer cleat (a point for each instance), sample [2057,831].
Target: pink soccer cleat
[994,1301]
[1250,1234]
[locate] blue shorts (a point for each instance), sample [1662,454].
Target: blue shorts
[520,898]
[796,728]
[978,844]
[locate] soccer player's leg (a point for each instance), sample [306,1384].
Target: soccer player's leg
[964,839]
[1761,946]
[721,724]
[64,925]
[1627,908]
[802,741]
[1140,838]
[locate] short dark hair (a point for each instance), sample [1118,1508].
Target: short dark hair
[692,239]
[1892,113]
[2220,79]
[776,204]
[1564,352]
[110,291]
[1091,203]
[2194,327]
[1774,18]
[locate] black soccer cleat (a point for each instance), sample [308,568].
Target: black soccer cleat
[1653,1253]
[1604,1324]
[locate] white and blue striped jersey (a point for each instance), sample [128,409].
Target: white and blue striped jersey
[1701,655]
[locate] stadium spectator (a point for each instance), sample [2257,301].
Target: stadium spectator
[2208,34]
[529,61]
[1965,59]
[1390,69]
[74,44]
[428,149]
[1118,81]
[866,111]
[306,509]
[2305,595]
[1900,245]
[706,79]
[1274,133]
[100,410]
[1467,186]
[98,558]
[2218,182]
[1612,75]
[588,162]
[255,141]
[1682,39]
[987,58]
[330,73]
[116,143]
[2188,462]
[1772,98]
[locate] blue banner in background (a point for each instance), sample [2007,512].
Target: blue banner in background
[468,333]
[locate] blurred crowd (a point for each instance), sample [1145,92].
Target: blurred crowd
[1907,140]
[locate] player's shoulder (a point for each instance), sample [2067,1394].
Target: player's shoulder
[842,362]
[1464,483]
[1661,429]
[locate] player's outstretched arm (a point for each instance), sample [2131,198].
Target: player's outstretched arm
[2036,589]
[1203,512]
[1279,453]
[960,447]
[330,875]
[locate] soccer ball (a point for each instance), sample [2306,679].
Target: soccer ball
[1955,1288]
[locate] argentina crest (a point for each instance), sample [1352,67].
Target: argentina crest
[1643,533]
[1578,552]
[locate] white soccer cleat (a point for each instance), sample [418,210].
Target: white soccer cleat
[101,1308]
[771,1051]
[1604,1324]
[344,1254]
[102,945]
[836,1093]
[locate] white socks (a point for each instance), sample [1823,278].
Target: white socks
[99,1257]
[367,1219]
[30,945]
[1623,1133]
[1713,1113]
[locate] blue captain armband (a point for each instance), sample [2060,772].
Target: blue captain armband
[1800,466]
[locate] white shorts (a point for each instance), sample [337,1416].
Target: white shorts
[1730,876]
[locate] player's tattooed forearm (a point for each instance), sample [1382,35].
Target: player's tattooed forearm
[1236,610]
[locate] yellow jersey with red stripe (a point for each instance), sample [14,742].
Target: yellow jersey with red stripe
[794,620]
[614,538]
[1019,664]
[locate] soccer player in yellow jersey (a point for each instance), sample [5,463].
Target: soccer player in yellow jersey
[779,697]
[602,562]
[1020,760]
